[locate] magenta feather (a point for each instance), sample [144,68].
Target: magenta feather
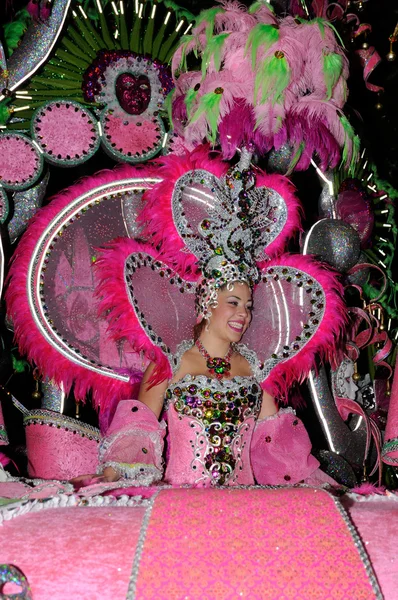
[50,362]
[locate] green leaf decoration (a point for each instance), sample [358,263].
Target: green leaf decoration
[261,35]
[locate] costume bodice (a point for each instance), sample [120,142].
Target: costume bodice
[210,428]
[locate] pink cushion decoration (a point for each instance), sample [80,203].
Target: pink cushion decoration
[20,161]
[59,447]
[66,132]
[218,543]
[390,448]
[281,450]
[376,519]
[66,553]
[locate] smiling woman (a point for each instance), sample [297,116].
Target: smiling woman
[223,429]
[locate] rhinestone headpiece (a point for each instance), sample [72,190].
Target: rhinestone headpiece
[232,237]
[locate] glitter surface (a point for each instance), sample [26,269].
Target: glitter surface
[339,437]
[53,396]
[279,160]
[326,203]
[37,44]
[25,206]
[335,242]
[3,205]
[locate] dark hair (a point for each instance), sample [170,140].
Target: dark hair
[198,328]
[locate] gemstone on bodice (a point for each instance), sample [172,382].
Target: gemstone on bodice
[221,407]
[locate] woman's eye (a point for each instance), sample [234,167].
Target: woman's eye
[233,303]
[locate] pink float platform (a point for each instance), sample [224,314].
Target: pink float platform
[177,543]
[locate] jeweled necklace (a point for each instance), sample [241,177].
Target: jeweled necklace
[217,366]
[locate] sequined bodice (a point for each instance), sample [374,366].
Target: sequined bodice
[220,416]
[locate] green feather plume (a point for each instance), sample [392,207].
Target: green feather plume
[209,15]
[4,112]
[261,35]
[259,4]
[213,50]
[349,137]
[272,78]
[189,100]
[332,67]
[13,32]
[209,104]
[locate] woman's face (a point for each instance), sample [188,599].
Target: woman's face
[232,315]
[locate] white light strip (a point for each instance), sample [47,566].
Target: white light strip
[382,264]
[365,164]
[63,395]
[363,153]
[18,97]
[14,110]
[389,325]
[180,24]
[166,20]
[121,6]
[22,92]
[116,34]
[381,251]
[372,187]
[325,179]
[383,197]
[74,13]
[141,11]
[41,250]
[153,11]
[320,413]
[369,177]
[3,126]
[384,211]
[37,146]
[279,318]
[387,225]
[358,424]
[382,239]
[188,28]
[287,315]
[115,9]
[99,128]
[99,6]
[82,11]
[164,142]
[136,7]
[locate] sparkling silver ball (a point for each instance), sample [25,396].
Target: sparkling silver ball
[360,277]
[334,242]
[279,160]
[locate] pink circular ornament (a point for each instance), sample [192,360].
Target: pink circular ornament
[66,132]
[20,161]
[132,138]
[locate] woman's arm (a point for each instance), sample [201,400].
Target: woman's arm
[268,406]
[153,396]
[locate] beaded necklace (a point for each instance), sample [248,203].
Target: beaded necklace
[217,366]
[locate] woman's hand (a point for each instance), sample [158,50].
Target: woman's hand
[109,475]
